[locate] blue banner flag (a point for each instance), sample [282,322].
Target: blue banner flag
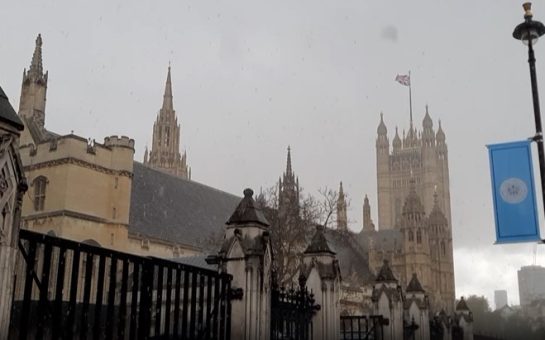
[513,192]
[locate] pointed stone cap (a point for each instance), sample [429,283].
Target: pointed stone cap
[437,217]
[427,122]
[462,305]
[248,212]
[440,133]
[412,202]
[319,245]
[385,274]
[397,141]
[414,285]
[381,130]
[7,113]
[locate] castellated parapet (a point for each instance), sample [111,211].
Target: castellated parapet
[116,141]
[115,155]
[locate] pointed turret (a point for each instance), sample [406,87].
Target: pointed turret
[368,224]
[382,130]
[382,143]
[33,92]
[428,136]
[427,123]
[342,220]
[396,143]
[440,134]
[288,162]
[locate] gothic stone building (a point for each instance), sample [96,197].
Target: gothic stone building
[165,151]
[414,227]
[97,193]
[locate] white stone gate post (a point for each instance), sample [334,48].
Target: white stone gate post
[246,254]
[12,187]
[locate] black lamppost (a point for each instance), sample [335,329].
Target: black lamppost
[528,32]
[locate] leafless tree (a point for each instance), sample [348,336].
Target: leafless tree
[291,234]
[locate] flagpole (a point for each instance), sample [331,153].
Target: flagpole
[410,100]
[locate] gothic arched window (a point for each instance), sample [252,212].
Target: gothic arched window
[411,236]
[39,185]
[443,250]
[418,236]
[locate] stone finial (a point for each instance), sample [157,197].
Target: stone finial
[414,285]
[462,305]
[385,274]
[318,244]
[248,212]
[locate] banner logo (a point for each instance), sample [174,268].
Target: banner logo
[513,190]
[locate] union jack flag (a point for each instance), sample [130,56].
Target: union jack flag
[404,79]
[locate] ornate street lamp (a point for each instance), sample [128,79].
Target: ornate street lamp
[529,32]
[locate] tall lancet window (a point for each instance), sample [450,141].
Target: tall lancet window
[418,236]
[39,185]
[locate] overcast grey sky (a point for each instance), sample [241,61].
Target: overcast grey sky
[251,77]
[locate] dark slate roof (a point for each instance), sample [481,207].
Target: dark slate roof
[414,285]
[353,259]
[248,211]
[318,244]
[7,113]
[385,274]
[167,207]
[462,305]
[381,240]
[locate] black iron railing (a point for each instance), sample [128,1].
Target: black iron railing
[71,290]
[362,327]
[291,313]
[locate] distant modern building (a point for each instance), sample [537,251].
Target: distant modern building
[531,284]
[500,298]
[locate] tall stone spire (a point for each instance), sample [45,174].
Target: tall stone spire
[342,219]
[167,97]
[368,224]
[288,195]
[36,69]
[34,89]
[288,162]
[165,150]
